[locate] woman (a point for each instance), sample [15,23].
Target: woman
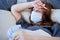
[45,23]
[45,15]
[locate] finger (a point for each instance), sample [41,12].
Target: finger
[39,3]
[37,9]
[41,6]
[15,37]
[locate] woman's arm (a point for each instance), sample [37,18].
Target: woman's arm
[25,36]
[29,37]
[16,9]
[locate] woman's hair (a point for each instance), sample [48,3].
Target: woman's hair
[46,18]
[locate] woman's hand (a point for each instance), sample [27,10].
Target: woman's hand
[30,37]
[25,36]
[19,36]
[38,5]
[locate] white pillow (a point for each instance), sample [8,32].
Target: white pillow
[6,20]
[55,15]
[26,14]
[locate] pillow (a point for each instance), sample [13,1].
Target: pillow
[55,15]
[54,3]
[22,1]
[6,20]
[26,14]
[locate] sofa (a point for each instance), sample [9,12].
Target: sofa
[7,20]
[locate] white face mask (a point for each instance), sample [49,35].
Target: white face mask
[36,16]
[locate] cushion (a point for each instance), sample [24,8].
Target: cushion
[26,14]
[6,20]
[21,1]
[30,0]
[55,15]
[54,3]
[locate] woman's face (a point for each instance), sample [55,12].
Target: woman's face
[41,10]
[36,16]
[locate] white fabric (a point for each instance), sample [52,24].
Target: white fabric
[6,20]
[13,30]
[36,16]
[26,14]
[55,15]
[21,1]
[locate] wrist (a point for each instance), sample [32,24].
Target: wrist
[32,4]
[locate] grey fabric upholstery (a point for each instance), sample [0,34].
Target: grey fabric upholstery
[6,4]
[6,20]
[29,0]
[54,3]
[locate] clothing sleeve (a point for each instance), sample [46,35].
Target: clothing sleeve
[34,28]
[56,30]
[11,30]
[23,23]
